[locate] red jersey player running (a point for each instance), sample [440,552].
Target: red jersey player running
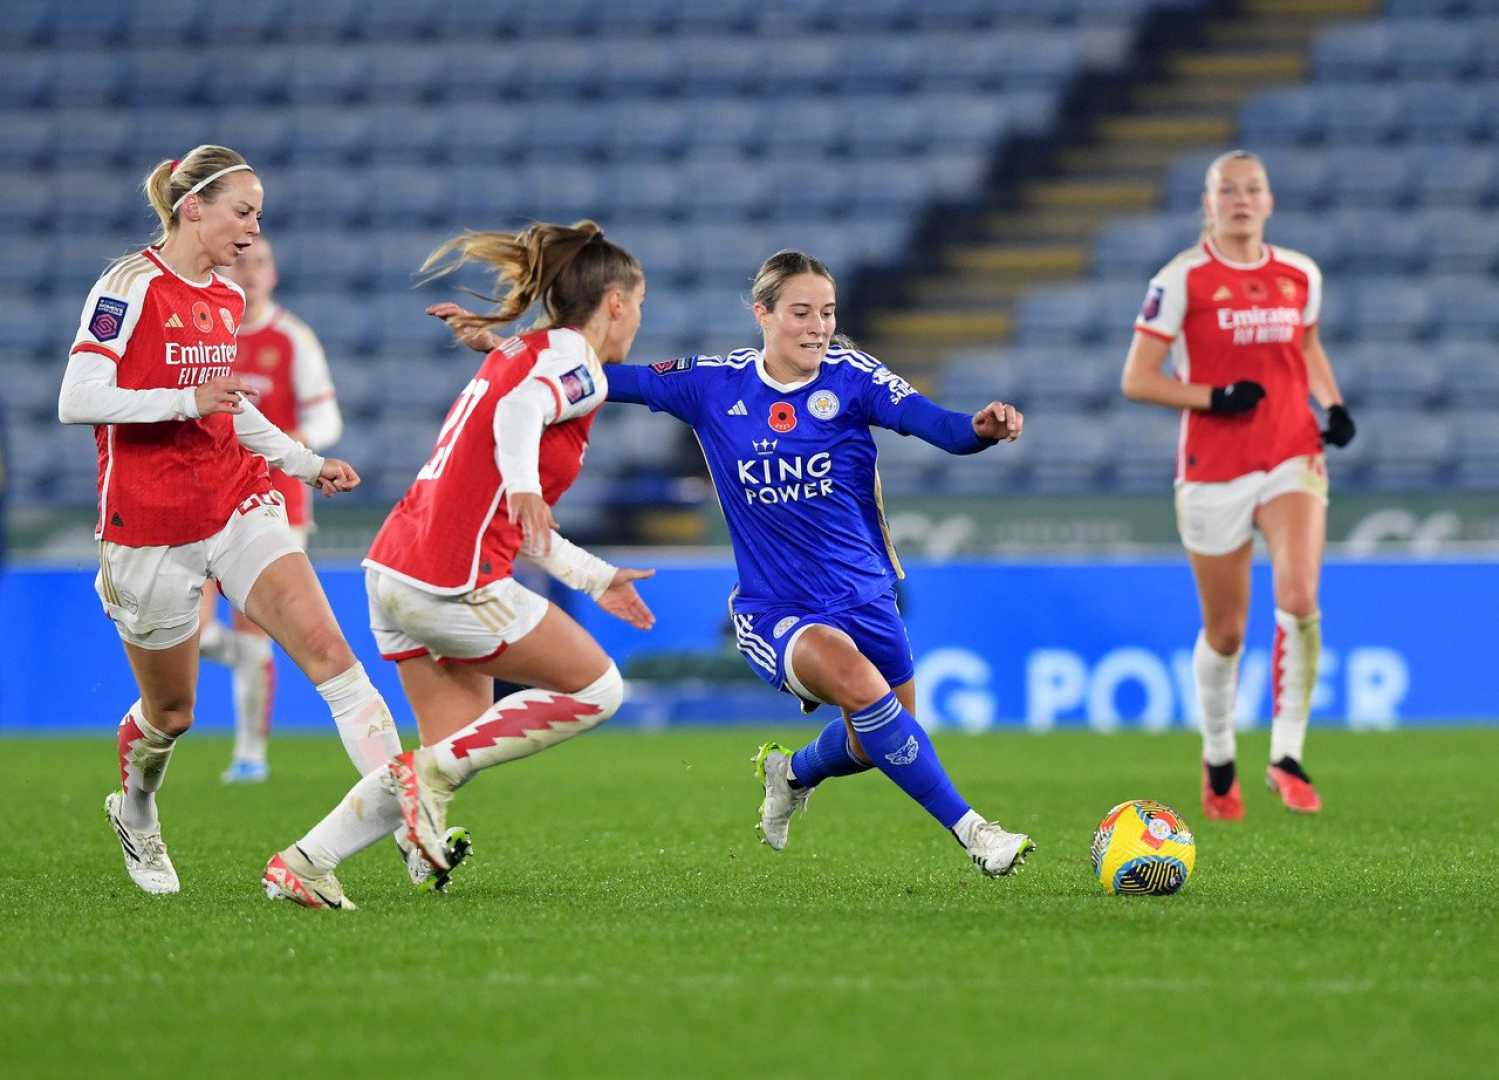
[443,602]
[282,360]
[184,492]
[1239,319]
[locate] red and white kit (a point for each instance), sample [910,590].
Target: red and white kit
[440,568]
[282,358]
[180,496]
[1226,322]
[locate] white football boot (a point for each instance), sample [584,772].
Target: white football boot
[772,764]
[290,875]
[997,852]
[146,858]
[424,794]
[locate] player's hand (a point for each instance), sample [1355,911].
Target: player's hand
[534,517]
[1236,397]
[996,421]
[337,475]
[1340,427]
[622,601]
[222,395]
[475,337]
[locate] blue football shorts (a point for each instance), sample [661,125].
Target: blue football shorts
[765,638]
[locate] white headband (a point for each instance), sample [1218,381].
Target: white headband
[201,184]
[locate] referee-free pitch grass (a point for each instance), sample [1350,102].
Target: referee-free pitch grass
[620,919]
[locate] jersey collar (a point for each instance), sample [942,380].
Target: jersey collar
[155,256]
[1261,261]
[785,388]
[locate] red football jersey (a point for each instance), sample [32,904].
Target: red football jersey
[176,481]
[450,533]
[1228,321]
[281,357]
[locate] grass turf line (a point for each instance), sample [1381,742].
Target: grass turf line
[620,919]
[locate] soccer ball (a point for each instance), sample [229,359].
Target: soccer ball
[1143,847]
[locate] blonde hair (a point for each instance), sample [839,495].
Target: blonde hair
[1214,167]
[170,180]
[785,264]
[567,267]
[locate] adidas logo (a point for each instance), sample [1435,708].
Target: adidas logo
[1223,293]
[174,323]
[738,409]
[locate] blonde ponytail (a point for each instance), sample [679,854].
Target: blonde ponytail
[168,181]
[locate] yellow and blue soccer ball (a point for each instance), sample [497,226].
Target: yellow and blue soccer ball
[1143,848]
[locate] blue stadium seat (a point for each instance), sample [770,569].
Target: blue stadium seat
[561,131]
[571,70]
[1380,243]
[645,192]
[888,64]
[716,125]
[28,138]
[418,134]
[1301,179]
[30,78]
[99,137]
[1431,49]
[807,63]
[1462,242]
[399,253]
[90,78]
[907,466]
[493,135]
[885,126]
[251,24]
[956,176]
[327,20]
[719,17]
[1079,379]
[1457,175]
[639,67]
[1436,112]
[800,124]
[1182,188]
[977,121]
[643,18]
[1471,371]
[1391,374]
[323,134]
[723,188]
[1067,451]
[971,378]
[1391,306]
[237,76]
[322,76]
[263,135]
[660,250]
[710,66]
[1353,52]
[401,20]
[1143,440]
[727,253]
[326,196]
[646,132]
[1280,116]
[1141,245]
[889,186]
[1358,114]
[88,22]
[1319,235]
[808,189]
[491,196]
[562,192]
[1476,447]
[1058,314]
[1466,307]
[483,71]
[555,18]
[1406,450]
[23,332]
[407,72]
[1335,322]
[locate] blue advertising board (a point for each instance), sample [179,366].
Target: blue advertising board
[1024,644]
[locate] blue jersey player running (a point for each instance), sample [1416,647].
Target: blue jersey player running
[785,431]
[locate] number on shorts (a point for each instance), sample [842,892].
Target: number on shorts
[458,415]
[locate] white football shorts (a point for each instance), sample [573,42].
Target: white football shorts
[152,593]
[1217,518]
[466,628]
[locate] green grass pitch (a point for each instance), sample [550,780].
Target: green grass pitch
[620,919]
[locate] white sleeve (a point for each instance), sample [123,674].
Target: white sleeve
[318,416]
[518,420]
[572,374]
[114,305]
[1313,310]
[1165,303]
[260,436]
[90,395]
[575,567]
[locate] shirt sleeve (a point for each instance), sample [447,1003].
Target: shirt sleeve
[574,378]
[895,404]
[1165,304]
[670,386]
[518,421]
[1313,310]
[90,394]
[259,436]
[319,418]
[113,309]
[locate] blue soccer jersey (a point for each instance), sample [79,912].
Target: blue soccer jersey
[794,465]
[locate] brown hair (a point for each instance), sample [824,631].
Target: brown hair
[1213,167]
[169,180]
[567,267]
[785,264]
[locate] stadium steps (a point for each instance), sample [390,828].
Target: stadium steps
[1043,230]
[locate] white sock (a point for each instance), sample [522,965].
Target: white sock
[525,723]
[1293,673]
[144,755]
[254,686]
[364,723]
[964,826]
[369,812]
[217,643]
[1217,680]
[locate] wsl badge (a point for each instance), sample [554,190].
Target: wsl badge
[823,404]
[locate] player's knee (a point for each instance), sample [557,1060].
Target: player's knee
[1226,638]
[1297,599]
[170,718]
[606,693]
[322,652]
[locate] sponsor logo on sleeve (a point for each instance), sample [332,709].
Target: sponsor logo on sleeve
[671,367]
[823,404]
[577,384]
[108,317]
[1152,306]
[782,417]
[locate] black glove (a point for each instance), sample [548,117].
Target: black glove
[1340,429]
[1236,397]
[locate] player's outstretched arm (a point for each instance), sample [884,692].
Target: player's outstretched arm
[259,436]
[612,587]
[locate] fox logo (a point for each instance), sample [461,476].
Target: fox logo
[906,754]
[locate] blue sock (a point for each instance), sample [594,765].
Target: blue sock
[827,755]
[901,750]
